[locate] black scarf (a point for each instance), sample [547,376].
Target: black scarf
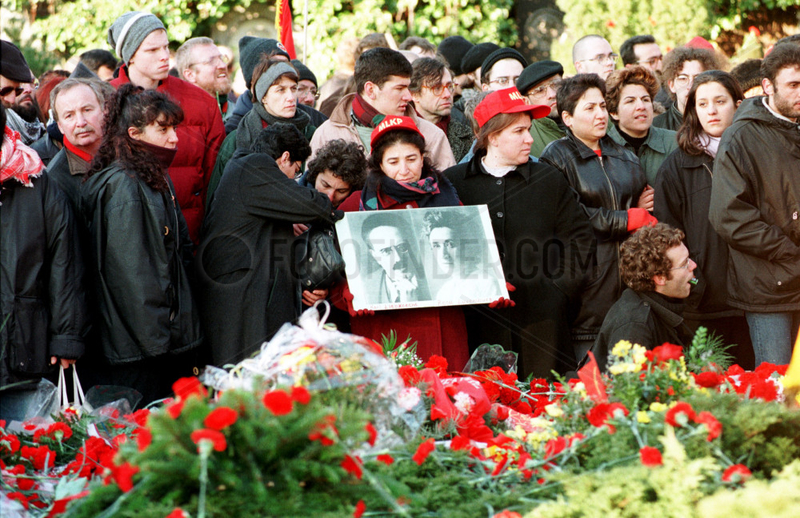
[251,124]
[432,190]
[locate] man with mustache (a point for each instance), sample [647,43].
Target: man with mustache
[16,94]
[78,111]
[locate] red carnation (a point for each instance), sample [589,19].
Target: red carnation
[423,450]
[460,442]
[385,458]
[352,465]
[143,438]
[555,446]
[667,352]
[175,408]
[505,513]
[301,395]
[278,402]
[123,476]
[177,513]
[12,441]
[59,506]
[140,417]
[602,412]
[39,456]
[737,470]
[360,508]
[713,426]
[220,418]
[373,433]
[673,415]
[438,364]
[187,387]
[216,438]
[650,456]
[708,379]
[411,376]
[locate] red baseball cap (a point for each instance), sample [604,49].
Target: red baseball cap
[393,123]
[508,100]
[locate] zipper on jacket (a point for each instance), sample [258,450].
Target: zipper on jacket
[615,207]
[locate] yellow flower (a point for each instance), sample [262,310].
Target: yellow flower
[621,348]
[638,355]
[657,407]
[554,410]
[642,417]
[619,368]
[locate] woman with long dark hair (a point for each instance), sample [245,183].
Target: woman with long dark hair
[147,320]
[401,177]
[682,199]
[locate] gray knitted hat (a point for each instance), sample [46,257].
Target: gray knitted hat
[129,30]
[269,76]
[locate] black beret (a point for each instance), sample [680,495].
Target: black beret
[536,73]
[497,55]
[454,48]
[12,63]
[303,72]
[474,57]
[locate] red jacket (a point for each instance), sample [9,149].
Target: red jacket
[437,330]
[200,136]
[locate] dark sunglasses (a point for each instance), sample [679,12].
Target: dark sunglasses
[7,90]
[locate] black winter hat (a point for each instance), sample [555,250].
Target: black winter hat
[536,73]
[748,73]
[250,51]
[303,72]
[83,72]
[474,57]
[497,55]
[454,48]
[12,63]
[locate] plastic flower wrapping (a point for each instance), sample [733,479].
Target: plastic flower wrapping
[320,358]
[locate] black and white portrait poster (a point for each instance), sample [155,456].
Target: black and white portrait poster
[417,258]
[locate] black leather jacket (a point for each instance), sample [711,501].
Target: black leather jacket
[606,188]
[42,300]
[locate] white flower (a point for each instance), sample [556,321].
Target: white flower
[409,397]
[464,402]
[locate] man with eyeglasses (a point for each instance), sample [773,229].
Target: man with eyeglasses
[643,50]
[432,89]
[592,54]
[201,63]
[501,69]
[307,88]
[656,267]
[539,84]
[16,94]
[681,66]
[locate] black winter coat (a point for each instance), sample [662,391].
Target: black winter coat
[42,298]
[248,290]
[547,249]
[682,198]
[245,103]
[755,207]
[606,189]
[645,318]
[141,250]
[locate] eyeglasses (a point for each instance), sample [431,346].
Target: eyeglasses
[504,81]
[304,90]
[541,90]
[439,89]
[213,61]
[652,61]
[7,91]
[685,265]
[400,249]
[684,80]
[602,59]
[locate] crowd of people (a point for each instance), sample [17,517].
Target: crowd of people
[148,214]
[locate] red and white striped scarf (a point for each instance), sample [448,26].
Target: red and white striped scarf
[17,160]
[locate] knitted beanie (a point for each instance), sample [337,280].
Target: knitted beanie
[252,49]
[128,32]
[304,72]
[453,48]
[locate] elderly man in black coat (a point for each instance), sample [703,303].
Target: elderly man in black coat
[247,288]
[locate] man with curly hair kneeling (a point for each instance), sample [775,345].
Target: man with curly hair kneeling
[656,267]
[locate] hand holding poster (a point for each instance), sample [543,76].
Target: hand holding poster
[421,258]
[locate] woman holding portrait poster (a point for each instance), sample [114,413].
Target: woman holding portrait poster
[401,177]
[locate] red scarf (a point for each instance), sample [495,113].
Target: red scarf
[83,155]
[363,111]
[17,160]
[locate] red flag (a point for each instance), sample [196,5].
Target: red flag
[589,374]
[283,24]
